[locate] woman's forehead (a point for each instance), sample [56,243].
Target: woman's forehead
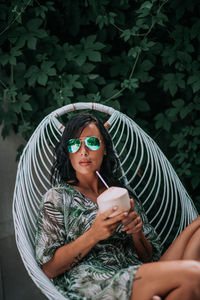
[90,130]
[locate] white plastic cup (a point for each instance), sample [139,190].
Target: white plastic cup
[114,196]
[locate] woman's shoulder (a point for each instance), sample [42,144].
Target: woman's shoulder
[56,194]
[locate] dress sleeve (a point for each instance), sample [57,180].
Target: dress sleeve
[50,231]
[149,232]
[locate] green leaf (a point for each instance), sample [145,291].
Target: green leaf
[46,67]
[130,84]
[195,29]
[12,60]
[194,81]
[27,106]
[162,122]
[126,34]
[94,56]
[4,59]
[72,81]
[87,68]
[134,51]
[31,70]
[179,103]
[31,43]
[195,181]
[186,110]
[146,4]
[109,90]
[42,78]
[93,76]
[80,60]
[143,106]
[34,24]
[172,81]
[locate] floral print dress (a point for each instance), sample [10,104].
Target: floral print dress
[107,271]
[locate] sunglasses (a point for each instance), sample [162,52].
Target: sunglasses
[92,142]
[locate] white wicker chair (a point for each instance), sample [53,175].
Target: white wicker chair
[145,169]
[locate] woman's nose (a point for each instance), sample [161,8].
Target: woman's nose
[83,149]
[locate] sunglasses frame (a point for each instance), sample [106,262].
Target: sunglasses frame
[85,141]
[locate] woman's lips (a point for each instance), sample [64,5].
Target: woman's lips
[85,163]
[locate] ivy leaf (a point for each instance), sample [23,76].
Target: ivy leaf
[194,81]
[46,67]
[146,44]
[195,29]
[186,110]
[169,56]
[126,34]
[72,81]
[89,43]
[146,4]
[42,78]
[34,24]
[21,103]
[172,81]
[134,51]
[195,181]
[130,84]
[25,128]
[93,56]
[91,48]
[32,75]
[143,105]
[31,43]
[109,90]
[87,68]
[11,57]
[102,20]
[179,103]
[161,121]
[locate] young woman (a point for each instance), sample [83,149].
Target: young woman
[91,256]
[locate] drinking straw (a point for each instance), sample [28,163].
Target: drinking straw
[102,180]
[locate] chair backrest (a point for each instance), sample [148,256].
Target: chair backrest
[145,169]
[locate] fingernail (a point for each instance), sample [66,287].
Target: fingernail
[125,214]
[115,207]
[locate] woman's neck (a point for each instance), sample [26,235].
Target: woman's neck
[90,182]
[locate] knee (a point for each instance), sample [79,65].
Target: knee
[192,275]
[191,266]
[197,220]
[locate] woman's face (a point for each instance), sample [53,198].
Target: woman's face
[86,161]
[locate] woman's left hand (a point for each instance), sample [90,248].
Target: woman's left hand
[132,222]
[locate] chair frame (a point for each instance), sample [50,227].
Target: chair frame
[29,191]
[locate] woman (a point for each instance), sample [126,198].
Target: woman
[91,256]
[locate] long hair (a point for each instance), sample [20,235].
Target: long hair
[63,171]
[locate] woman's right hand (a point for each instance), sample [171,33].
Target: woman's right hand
[103,226]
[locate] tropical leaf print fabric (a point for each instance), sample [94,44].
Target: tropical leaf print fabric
[107,271]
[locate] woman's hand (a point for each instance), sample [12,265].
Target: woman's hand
[103,226]
[132,222]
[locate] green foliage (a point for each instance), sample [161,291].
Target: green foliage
[141,57]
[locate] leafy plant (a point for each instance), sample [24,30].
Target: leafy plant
[141,58]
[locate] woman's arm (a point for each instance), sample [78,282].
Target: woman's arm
[133,225]
[67,256]
[143,246]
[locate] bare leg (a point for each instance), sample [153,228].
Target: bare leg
[192,250]
[171,280]
[184,242]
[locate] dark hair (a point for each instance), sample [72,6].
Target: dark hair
[63,171]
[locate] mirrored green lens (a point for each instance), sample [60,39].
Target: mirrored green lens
[92,143]
[73,145]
